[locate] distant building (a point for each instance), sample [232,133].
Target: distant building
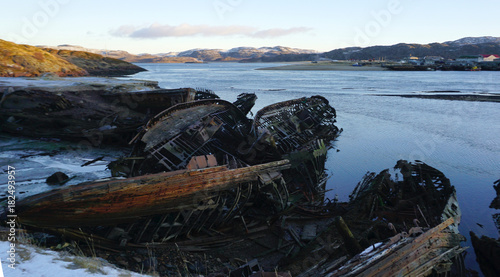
[477,58]
[470,59]
[430,60]
[489,57]
[411,59]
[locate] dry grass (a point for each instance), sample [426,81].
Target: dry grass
[24,60]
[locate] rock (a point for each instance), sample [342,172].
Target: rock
[58,178]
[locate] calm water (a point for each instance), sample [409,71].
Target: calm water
[462,139]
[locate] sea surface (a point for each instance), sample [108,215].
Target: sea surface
[460,138]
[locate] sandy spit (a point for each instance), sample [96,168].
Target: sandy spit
[326,66]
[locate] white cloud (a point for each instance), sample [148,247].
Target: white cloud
[184,30]
[278,32]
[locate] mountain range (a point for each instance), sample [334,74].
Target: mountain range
[193,55]
[447,50]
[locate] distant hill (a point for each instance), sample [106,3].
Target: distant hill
[194,55]
[474,40]
[24,60]
[243,53]
[95,64]
[447,50]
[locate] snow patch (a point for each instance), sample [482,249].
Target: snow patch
[34,261]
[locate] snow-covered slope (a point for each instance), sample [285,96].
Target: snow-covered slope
[33,261]
[475,40]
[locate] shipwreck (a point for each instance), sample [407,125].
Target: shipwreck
[188,173]
[203,177]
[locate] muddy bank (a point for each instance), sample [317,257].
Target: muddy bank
[457,97]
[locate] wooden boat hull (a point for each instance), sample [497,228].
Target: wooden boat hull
[116,201]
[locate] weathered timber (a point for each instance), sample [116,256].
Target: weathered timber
[381,207]
[126,200]
[405,255]
[217,127]
[423,190]
[294,123]
[351,244]
[171,138]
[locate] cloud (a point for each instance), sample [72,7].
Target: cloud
[184,30]
[278,32]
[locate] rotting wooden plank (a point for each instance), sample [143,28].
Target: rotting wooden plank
[403,264]
[104,203]
[201,161]
[211,160]
[427,267]
[405,250]
[401,248]
[352,245]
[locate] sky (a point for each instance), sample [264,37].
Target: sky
[161,26]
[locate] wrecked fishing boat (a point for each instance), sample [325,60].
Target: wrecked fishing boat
[167,204]
[298,130]
[94,109]
[188,173]
[406,227]
[296,122]
[424,208]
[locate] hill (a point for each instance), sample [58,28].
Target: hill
[447,50]
[24,60]
[95,64]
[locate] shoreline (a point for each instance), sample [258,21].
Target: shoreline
[453,97]
[327,66]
